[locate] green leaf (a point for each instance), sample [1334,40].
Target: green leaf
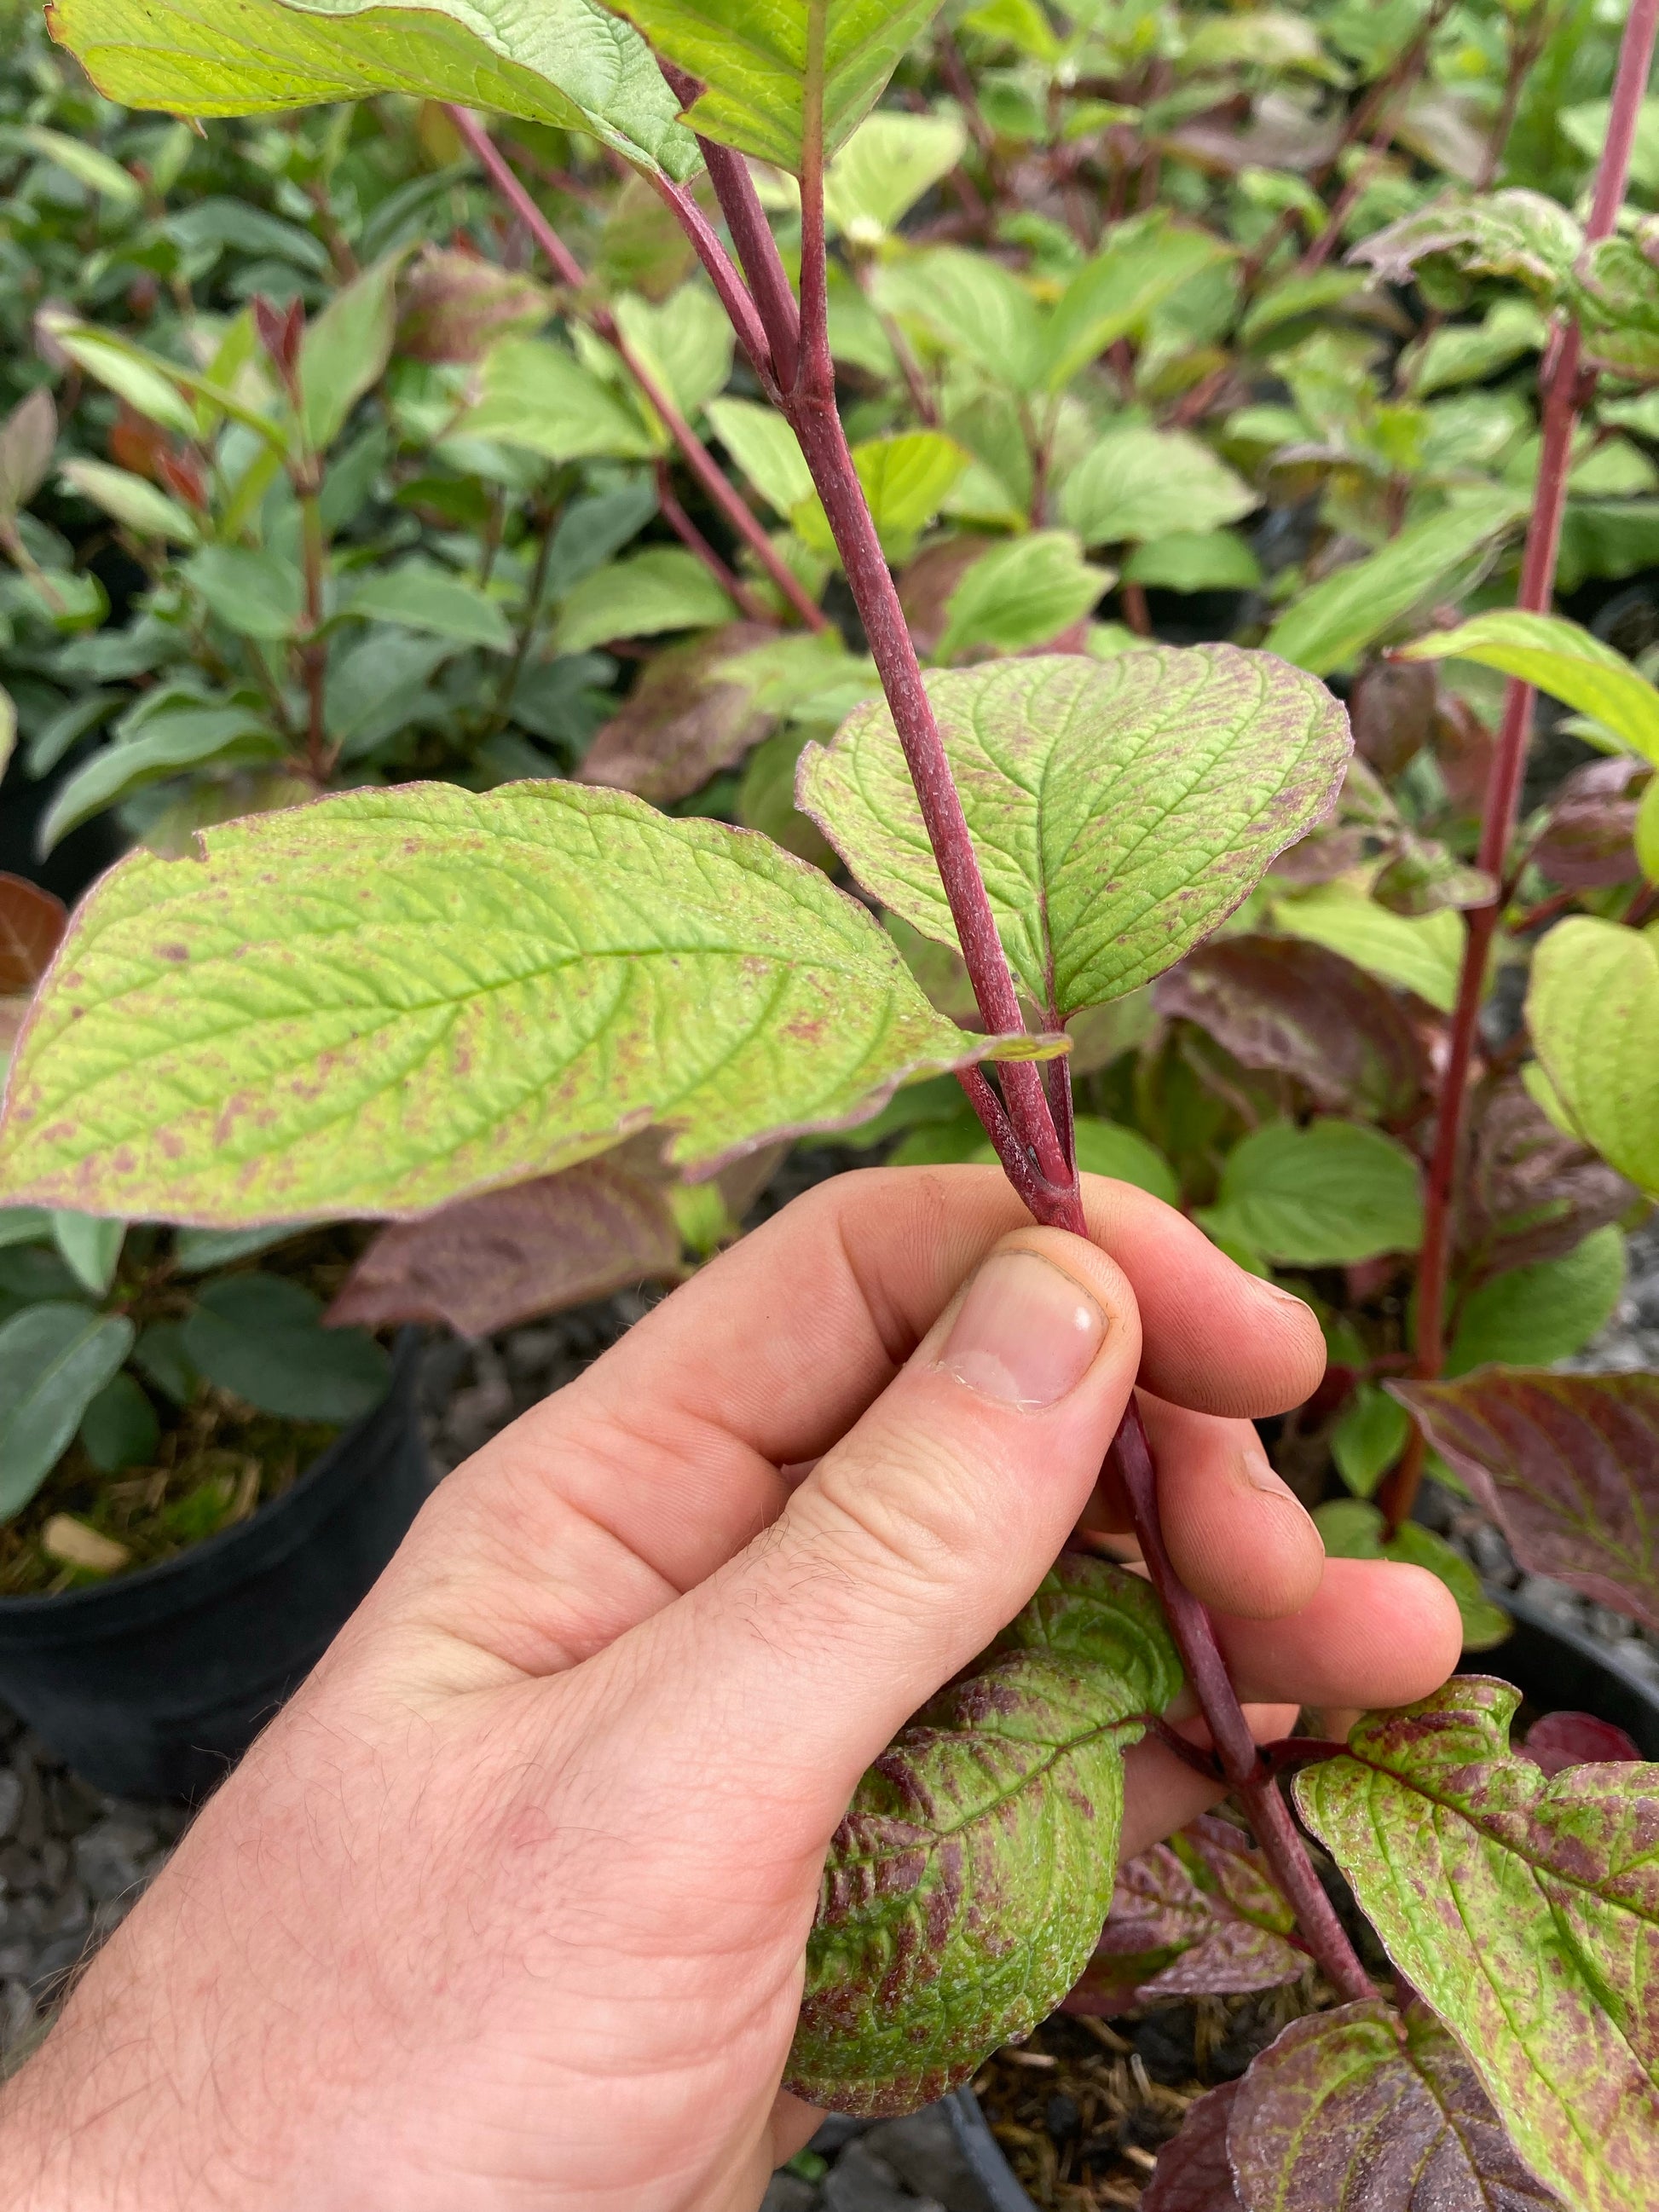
[1560,658]
[26,439]
[687,339]
[1526,1911]
[1352,1529]
[153,386]
[565,63]
[1335,619]
[1023,592]
[967,305]
[1647,832]
[256,594]
[1120,809]
[345,352]
[197,1250]
[133,501]
[1369,1439]
[120,1428]
[535,394]
[965,1888]
[1140,482]
[1194,561]
[261,1338]
[187,736]
[86,164]
[417,594]
[54,1360]
[755,60]
[1520,235]
[886,166]
[24,1225]
[764,447]
[1593,1009]
[1530,1316]
[91,1245]
[1422,953]
[1332,1194]
[662,588]
[393,997]
[1362,2108]
[906,480]
[1106,1148]
[1113,295]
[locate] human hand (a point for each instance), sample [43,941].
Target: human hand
[508,1907]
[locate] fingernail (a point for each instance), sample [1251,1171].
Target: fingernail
[1025,1332]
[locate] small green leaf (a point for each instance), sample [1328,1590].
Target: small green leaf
[765,448]
[1560,658]
[1593,1009]
[1510,233]
[1138,482]
[24,1225]
[54,1360]
[1352,1529]
[535,394]
[567,62]
[662,588]
[967,305]
[1526,1911]
[133,501]
[906,480]
[1106,1148]
[886,166]
[1369,1439]
[153,386]
[261,1338]
[753,58]
[687,339]
[197,1250]
[965,1889]
[256,594]
[1422,953]
[1147,258]
[91,1245]
[120,1428]
[1332,1194]
[1647,832]
[1194,561]
[187,737]
[1023,592]
[417,594]
[345,352]
[1120,809]
[463,992]
[26,439]
[86,164]
[1335,619]
[1530,1316]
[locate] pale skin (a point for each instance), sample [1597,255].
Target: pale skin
[506,1912]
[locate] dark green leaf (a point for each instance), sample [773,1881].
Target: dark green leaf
[260,1337]
[54,1360]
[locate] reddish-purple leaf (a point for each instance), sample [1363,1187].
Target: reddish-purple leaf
[1193,2172]
[1534,1192]
[486,1263]
[455,305]
[1391,707]
[684,722]
[32,924]
[1360,2110]
[1568,1467]
[1590,837]
[1199,1916]
[1285,1004]
[1563,1739]
[1525,1909]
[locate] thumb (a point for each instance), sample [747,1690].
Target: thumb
[921,1534]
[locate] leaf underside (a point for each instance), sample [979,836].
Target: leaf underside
[391,999]
[565,63]
[1119,809]
[1525,1911]
[965,1888]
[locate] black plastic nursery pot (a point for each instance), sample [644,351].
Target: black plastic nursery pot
[150,1686]
[1557,1667]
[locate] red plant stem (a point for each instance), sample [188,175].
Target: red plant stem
[1236,1751]
[730,290]
[1563,394]
[674,514]
[1042,1170]
[698,458]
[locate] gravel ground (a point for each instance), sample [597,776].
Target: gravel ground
[73,1861]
